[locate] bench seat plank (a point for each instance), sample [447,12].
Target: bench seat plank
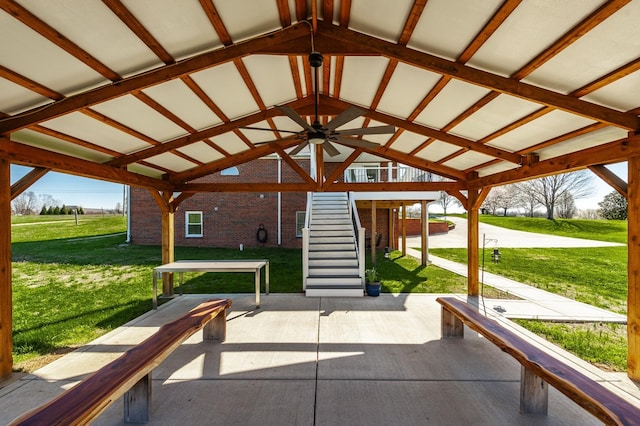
[589,394]
[86,400]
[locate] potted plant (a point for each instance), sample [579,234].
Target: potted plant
[372,282]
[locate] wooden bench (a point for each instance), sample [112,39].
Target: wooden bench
[130,374]
[538,368]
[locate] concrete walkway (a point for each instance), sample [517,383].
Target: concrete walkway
[535,303]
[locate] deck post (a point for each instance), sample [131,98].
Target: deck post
[633,269]
[473,275]
[6,309]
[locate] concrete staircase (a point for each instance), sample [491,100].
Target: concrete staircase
[333,259]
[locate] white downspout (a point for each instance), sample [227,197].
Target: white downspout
[128,240]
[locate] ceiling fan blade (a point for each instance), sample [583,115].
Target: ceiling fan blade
[298,148]
[377,130]
[289,112]
[344,117]
[267,129]
[331,150]
[356,142]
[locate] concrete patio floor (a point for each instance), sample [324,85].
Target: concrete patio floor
[319,361]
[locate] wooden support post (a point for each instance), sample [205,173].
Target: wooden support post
[424,247]
[534,393]
[137,401]
[404,229]
[319,167]
[168,241]
[374,233]
[6,309]
[451,327]
[473,276]
[633,269]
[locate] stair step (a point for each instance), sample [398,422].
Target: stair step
[331,227]
[332,254]
[331,247]
[333,271]
[335,280]
[352,262]
[338,233]
[331,240]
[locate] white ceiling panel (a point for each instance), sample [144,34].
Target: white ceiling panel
[531,28]
[39,140]
[272,91]
[230,142]
[137,115]
[467,160]
[407,142]
[361,78]
[406,89]
[615,41]
[16,98]
[497,114]
[502,166]
[437,150]
[96,132]
[145,170]
[590,140]
[444,31]
[171,162]
[455,98]
[256,136]
[366,17]
[224,85]
[615,95]
[202,152]
[95,28]
[184,103]
[246,18]
[180,27]
[62,73]
[549,126]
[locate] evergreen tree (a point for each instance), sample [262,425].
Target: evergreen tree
[613,206]
[43,211]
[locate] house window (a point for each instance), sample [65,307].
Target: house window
[300,219]
[193,222]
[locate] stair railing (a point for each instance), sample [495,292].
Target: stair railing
[359,232]
[305,241]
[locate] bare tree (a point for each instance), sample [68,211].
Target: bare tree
[445,201]
[25,203]
[550,189]
[566,206]
[526,199]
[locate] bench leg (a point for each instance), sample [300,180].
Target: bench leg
[534,393]
[451,327]
[137,401]
[216,329]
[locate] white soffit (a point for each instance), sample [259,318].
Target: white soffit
[595,138]
[555,123]
[366,17]
[502,166]
[26,51]
[263,70]
[497,114]
[230,142]
[436,151]
[137,115]
[406,89]
[202,152]
[467,160]
[145,170]
[531,28]
[182,28]
[445,31]
[455,98]
[96,29]
[40,140]
[226,88]
[616,94]
[361,77]
[16,98]
[244,19]
[96,132]
[407,142]
[175,96]
[592,56]
[171,162]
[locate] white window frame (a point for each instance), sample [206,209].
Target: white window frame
[300,216]
[187,234]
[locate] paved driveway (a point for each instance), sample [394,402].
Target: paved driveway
[457,238]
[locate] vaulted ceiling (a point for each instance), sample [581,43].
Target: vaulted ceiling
[156,93]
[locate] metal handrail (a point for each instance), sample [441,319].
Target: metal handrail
[305,241]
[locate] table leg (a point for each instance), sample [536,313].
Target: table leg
[266,277]
[257,274]
[180,283]
[155,290]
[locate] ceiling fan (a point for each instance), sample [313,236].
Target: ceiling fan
[317,134]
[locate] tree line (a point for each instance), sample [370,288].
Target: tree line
[28,203]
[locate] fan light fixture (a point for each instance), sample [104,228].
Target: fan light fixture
[316,138]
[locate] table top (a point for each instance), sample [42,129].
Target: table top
[212,265]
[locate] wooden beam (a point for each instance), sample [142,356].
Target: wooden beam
[611,178]
[345,40]
[472,244]
[291,162]
[27,180]
[344,165]
[155,76]
[6,317]
[164,201]
[633,269]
